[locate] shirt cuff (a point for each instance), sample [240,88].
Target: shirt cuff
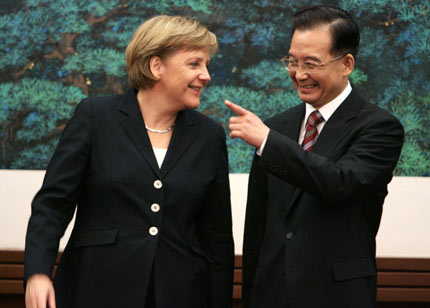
[261,148]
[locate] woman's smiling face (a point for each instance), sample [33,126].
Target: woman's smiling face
[183,76]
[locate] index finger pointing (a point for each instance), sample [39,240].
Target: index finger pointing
[235,108]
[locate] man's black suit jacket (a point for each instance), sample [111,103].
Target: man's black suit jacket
[105,165]
[312,217]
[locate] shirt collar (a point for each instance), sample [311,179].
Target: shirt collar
[328,109]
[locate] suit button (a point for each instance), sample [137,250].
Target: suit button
[289,235]
[155,207]
[153,231]
[158,184]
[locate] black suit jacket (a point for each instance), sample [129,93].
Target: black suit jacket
[312,217]
[105,165]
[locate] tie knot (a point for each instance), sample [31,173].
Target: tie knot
[315,118]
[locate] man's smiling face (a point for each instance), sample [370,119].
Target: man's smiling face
[328,82]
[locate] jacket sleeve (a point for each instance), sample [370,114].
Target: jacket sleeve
[216,230]
[367,161]
[54,205]
[255,226]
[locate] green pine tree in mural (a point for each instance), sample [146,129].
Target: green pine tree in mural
[394,54]
[54,53]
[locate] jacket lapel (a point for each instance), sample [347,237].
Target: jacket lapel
[291,129]
[185,132]
[334,131]
[292,122]
[133,123]
[337,127]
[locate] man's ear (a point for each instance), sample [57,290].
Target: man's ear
[156,67]
[348,64]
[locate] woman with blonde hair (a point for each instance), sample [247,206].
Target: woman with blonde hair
[149,178]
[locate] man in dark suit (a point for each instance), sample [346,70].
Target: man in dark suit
[318,179]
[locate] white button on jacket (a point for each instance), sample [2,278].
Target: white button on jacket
[155,207]
[158,184]
[153,231]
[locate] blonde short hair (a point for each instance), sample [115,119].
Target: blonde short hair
[160,36]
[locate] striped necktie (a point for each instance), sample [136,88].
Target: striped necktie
[311,134]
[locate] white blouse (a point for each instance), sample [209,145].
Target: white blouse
[159,155]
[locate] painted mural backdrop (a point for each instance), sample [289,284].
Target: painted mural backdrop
[55,53]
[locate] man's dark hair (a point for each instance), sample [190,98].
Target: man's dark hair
[344,30]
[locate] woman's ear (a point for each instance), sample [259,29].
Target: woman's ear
[156,67]
[348,64]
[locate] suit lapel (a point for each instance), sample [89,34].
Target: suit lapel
[334,131]
[292,122]
[291,128]
[133,123]
[185,132]
[337,126]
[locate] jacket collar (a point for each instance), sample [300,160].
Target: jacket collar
[337,127]
[292,122]
[185,131]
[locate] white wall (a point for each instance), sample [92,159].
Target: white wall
[404,231]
